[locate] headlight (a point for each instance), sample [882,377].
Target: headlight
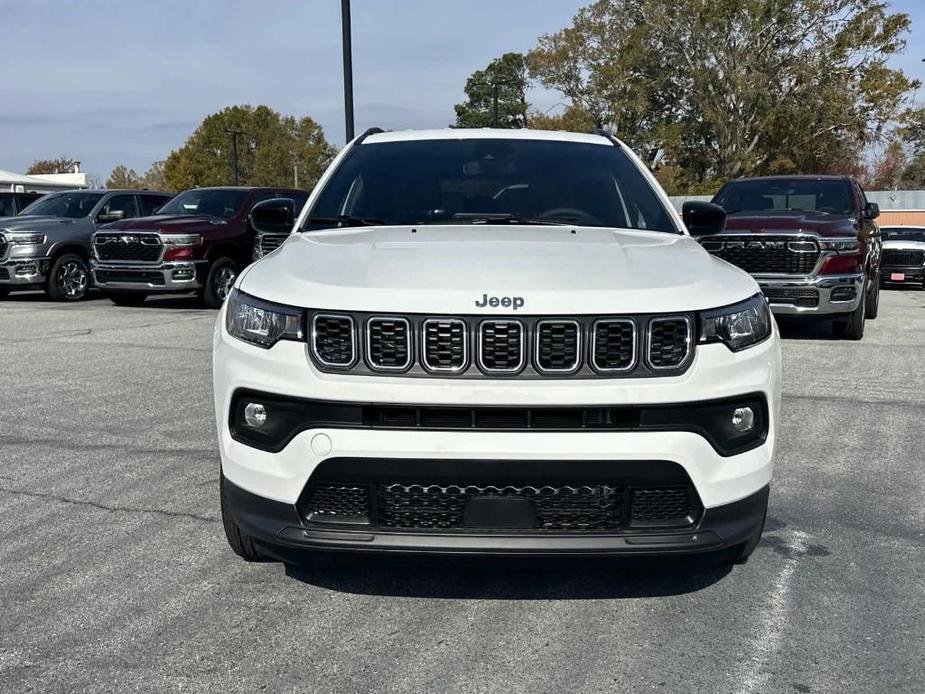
[24,238]
[738,326]
[181,239]
[840,245]
[262,323]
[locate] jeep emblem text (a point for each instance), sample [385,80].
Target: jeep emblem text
[514,302]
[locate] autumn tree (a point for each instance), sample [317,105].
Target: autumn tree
[573,119]
[52,166]
[271,150]
[504,80]
[123,177]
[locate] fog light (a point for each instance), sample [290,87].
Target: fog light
[743,418]
[182,274]
[255,414]
[843,294]
[26,271]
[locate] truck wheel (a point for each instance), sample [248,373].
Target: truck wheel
[128,298]
[851,326]
[241,543]
[220,280]
[68,279]
[873,302]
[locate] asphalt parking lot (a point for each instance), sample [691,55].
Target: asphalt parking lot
[115,575]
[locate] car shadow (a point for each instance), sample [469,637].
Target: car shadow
[793,328]
[513,578]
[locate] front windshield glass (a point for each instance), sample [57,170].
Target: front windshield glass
[472,181]
[903,234]
[795,195]
[215,203]
[71,205]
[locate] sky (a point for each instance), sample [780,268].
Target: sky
[126,81]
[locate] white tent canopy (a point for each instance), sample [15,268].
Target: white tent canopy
[42,183]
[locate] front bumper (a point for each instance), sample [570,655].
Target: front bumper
[24,271]
[911,274]
[813,296]
[169,276]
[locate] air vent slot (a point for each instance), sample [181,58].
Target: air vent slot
[669,342]
[558,346]
[333,340]
[388,343]
[445,346]
[501,346]
[613,345]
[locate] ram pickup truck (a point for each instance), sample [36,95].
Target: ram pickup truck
[47,245]
[811,242]
[199,241]
[496,342]
[903,259]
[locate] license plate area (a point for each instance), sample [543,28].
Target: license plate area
[898,276]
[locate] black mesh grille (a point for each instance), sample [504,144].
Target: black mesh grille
[333,340]
[557,345]
[754,255]
[144,248]
[270,242]
[807,298]
[445,345]
[389,343]
[668,506]
[337,500]
[501,345]
[899,257]
[614,342]
[668,342]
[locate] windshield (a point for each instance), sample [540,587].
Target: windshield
[903,234]
[215,203]
[808,195]
[70,205]
[484,180]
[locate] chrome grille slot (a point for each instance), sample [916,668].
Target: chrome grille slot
[613,344]
[501,346]
[669,342]
[333,340]
[388,343]
[558,346]
[128,246]
[444,345]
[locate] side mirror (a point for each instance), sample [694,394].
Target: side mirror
[106,218]
[871,210]
[274,216]
[703,218]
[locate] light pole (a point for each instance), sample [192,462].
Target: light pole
[348,68]
[234,151]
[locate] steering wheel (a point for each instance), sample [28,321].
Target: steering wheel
[569,213]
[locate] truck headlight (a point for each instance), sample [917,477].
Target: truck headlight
[737,326]
[24,238]
[262,323]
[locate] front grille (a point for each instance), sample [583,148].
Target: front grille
[614,345]
[662,505]
[669,342]
[445,345]
[153,277]
[804,298]
[270,242]
[558,346]
[337,500]
[897,257]
[501,346]
[388,343]
[143,248]
[760,254]
[333,340]
[3,246]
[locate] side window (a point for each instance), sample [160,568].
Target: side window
[264,195]
[119,207]
[298,200]
[7,208]
[150,204]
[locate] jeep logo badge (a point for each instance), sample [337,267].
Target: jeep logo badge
[513,302]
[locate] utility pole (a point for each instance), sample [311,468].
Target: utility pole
[348,68]
[495,90]
[234,151]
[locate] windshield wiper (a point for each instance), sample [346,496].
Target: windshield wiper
[346,220]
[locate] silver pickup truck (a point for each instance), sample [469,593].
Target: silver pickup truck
[47,245]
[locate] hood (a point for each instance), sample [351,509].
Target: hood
[772,221]
[449,269]
[166,223]
[36,222]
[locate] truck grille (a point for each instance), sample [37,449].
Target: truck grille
[333,340]
[669,342]
[388,343]
[897,257]
[143,248]
[501,346]
[613,345]
[761,255]
[445,345]
[558,345]
[270,242]
[3,246]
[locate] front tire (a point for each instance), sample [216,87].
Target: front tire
[851,326]
[219,281]
[68,279]
[240,542]
[873,301]
[128,298]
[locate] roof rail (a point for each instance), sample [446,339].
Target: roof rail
[367,133]
[604,133]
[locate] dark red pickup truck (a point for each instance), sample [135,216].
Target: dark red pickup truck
[811,242]
[200,240]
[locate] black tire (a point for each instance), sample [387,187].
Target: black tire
[221,277]
[241,543]
[873,301]
[68,279]
[127,298]
[744,550]
[851,326]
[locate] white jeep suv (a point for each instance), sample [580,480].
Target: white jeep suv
[496,342]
